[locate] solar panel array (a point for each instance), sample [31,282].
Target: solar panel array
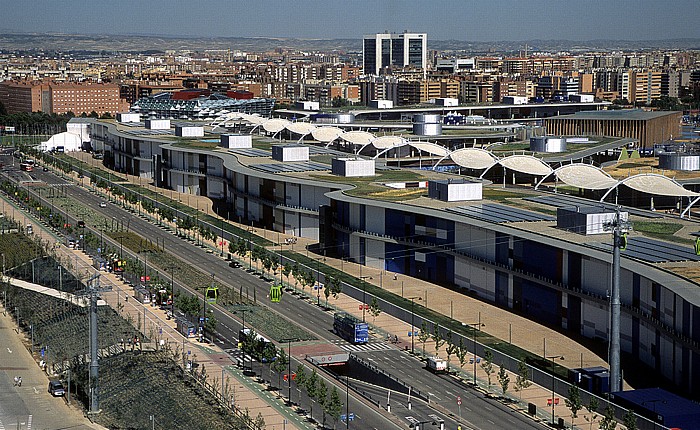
[499,213]
[302,166]
[152,132]
[251,152]
[563,200]
[652,251]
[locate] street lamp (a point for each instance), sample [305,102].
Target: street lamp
[552,358]
[289,368]
[413,330]
[474,327]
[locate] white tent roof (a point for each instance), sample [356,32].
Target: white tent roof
[69,141]
[653,183]
[430,148]
[302,128]
[275,125]
[357,137]
[586,176]
[326,134]
[473,158]
[526,164]
[386,142]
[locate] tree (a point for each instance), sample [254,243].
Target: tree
[259,423]
[286,270]
[522,379]
[487,366]
[592,409]
[334,406]
[336,286]
[503,379]
[451,348]
[327,290]
[311,386]
[210,323]
[461,352]
[280,366]
[269,353]
[437,338]
[301,375]
[423,335]
[573,402]
[322,396]
[630,420]
[608,421]
[374,309]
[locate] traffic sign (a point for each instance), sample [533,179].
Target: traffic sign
[549,401]
[459,400]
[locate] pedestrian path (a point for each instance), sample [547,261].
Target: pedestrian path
[367,347]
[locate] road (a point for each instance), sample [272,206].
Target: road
[478,412]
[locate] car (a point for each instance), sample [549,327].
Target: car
[45,169]
[56,389]
[81,224]
[103,204]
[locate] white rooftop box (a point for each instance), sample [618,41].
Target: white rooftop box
[307,105]
[586,219]
[129,117]
[454,191]
[158,124]
[285,153]
[189,131]
[447,102]
[352,167]
[236,141]
[381,104]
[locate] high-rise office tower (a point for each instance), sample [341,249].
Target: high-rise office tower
[394,50]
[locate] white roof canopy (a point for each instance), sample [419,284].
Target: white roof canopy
[430,148]
[302,128]
[386,142]
[357,137]
[526,164]
[326,134]
[586,176]
[275,125]
[657,184]
[473,158]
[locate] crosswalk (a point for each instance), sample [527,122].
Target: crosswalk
[367,347]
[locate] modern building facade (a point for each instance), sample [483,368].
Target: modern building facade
[394,50]
[648,127]
[551,276]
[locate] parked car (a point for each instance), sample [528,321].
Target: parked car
[56,389]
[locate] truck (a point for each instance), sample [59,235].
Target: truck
[436,365]
[350,328]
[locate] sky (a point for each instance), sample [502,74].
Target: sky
[467,20]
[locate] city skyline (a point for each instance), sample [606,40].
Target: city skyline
[504,20]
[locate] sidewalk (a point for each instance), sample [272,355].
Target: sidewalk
[30,406]
[155,321]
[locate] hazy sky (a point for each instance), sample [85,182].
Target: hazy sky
[478,20]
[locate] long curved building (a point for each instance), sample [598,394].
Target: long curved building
[516,258]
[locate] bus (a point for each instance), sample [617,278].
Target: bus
[27,166]
[261,346]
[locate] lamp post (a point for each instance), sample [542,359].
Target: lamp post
[413,330]
[552,358]
[289,368]
[318,284]
[474,327]
[172,290]
[153,422]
